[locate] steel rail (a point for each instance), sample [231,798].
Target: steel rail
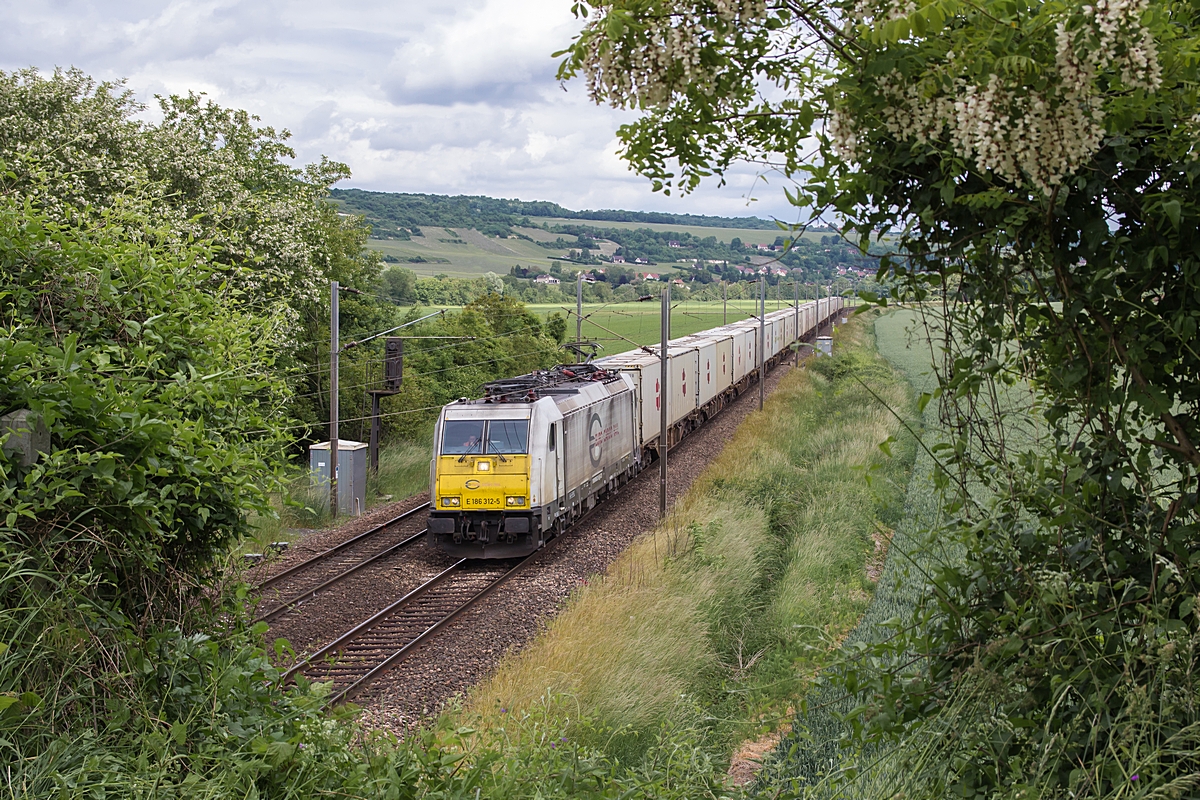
[342,642]
[398,656]
[297,599]
[339,547]
[371,621]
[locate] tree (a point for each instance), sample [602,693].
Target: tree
[77,149]
[1035,163]
[556,327]
[400,284]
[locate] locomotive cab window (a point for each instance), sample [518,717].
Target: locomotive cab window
[507,436]
[553,434]
[462,436]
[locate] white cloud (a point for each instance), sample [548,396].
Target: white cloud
[451,98]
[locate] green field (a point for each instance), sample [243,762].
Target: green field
[639,322]
[467,253]
[747,235]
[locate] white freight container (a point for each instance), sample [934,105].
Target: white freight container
[740,360]
[750,333]
[722,340]
[707,366]
[739,338]
[645,371]
[774,337]
[685,375]
[787,318]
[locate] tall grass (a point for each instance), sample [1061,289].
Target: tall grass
[812,750]
[403,468]
[718,617]
[812,762]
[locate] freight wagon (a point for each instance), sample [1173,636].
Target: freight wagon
[515,467]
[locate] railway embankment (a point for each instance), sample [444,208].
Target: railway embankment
[328,602]
[705,630]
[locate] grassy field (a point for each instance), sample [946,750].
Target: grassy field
[629,323]
[747,235]
[466,253]
[712,623]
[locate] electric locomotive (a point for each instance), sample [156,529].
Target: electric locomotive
[513,468]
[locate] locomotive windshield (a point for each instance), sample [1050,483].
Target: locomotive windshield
[503,437]
[462,436]
[508,436]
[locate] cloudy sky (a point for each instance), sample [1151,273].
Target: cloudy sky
[442,97]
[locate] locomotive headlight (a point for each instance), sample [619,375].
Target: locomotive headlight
[515,501]
[451,502]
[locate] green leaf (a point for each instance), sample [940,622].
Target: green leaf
[918,23]
[1173,210]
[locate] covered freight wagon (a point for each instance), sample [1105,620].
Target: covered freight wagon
[645,370]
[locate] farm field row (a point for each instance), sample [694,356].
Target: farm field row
[466,253]
[620,326]
[747,235]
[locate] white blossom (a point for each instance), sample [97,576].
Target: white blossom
[667,57]
[1019,133]
[840,129]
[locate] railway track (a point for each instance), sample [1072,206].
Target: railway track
[358,657]
[301,582]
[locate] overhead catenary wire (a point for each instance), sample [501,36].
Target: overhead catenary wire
[347,346]
[323,366]
[309,425]
[421,374]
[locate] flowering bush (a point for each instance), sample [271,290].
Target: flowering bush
[76,148]
[1034,165]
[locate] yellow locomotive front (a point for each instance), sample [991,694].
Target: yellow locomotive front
[480,482]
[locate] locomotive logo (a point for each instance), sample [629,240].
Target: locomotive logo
[596,439]
[599,435]
[472,484]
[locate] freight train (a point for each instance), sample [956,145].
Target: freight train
[515,467]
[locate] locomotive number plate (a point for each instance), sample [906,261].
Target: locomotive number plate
[483,501]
